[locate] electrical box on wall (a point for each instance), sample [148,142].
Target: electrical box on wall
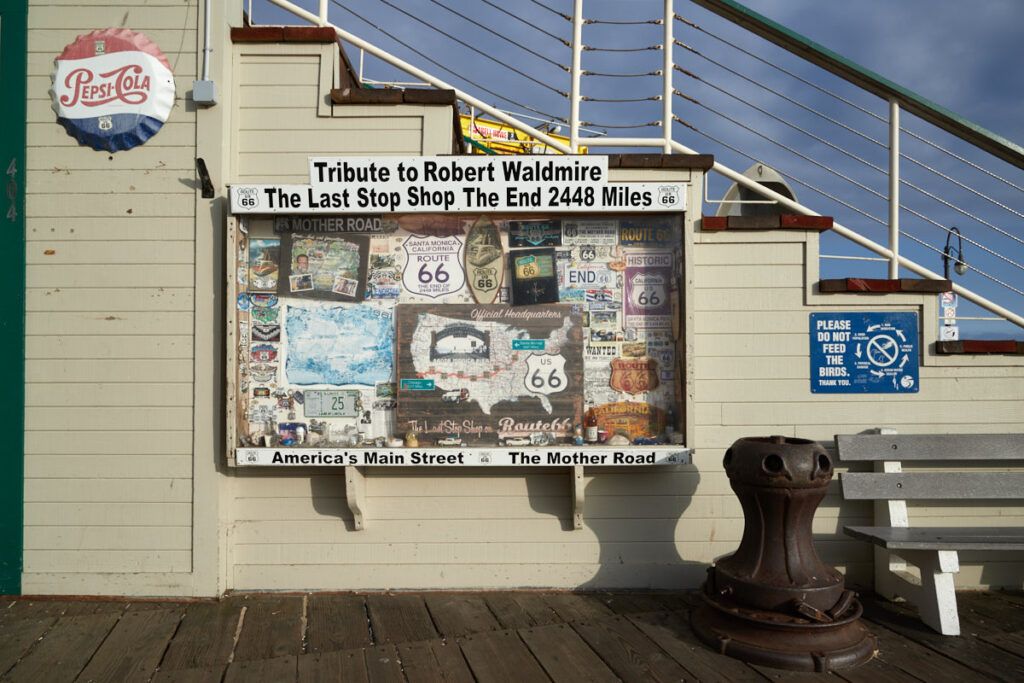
[204,92]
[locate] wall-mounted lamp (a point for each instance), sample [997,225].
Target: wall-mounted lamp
[960,265]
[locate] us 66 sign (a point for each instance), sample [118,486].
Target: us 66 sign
[545,374]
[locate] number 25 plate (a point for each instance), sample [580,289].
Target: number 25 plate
[330,403]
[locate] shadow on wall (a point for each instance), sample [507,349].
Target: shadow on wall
[329,500]
[634,516]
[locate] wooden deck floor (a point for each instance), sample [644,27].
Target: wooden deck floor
[413,637]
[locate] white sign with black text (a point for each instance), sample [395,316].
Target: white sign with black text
[529,184]
[550,456]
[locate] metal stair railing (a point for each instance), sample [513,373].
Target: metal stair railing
[898,100]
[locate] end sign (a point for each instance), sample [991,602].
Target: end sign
[872,353]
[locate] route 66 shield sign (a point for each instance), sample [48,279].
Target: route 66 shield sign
[545,374]
[668,195]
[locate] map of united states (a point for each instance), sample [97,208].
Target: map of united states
[478,356]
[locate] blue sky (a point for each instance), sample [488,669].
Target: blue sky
[962,56]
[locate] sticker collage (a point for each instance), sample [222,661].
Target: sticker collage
[455,330]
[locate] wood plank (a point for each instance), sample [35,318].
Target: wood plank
[32,608]
[110,320]
[508,611]
[519,610]
[672,633]
[18,635]
[85,606]
[206,636]
[641,540]
[106,370]
[874,671]
[434,660]
[577,606]
[564,655]
[148,604]
[45,300]
[941,538]
[93,252]
[156,275]
[458,614]
[109,561]
[382,665]
[399,618]
[1011,642]
[959,447]
[973,653]
[932,485]
[1016,597]
[207,675]
[628,652]
[791,676]
[272,627]
[64,650]
[985,614]
[78,418]
[134,647]
[980,346]
[106,514]
[104,538]
[951,414]
[500,656]
[336,622]
[633,602]
[119,466]
[915,659]
[276,669]
[330,667]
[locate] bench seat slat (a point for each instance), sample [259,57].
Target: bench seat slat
[932,485]
[941,538]
[962,447]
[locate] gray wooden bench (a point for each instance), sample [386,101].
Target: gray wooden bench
[933,550]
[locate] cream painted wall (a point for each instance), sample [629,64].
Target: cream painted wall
[748,297]
[119,462]
[126,488]
[753,379]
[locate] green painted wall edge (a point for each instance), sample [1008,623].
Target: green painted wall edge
[805,48]
[13,73]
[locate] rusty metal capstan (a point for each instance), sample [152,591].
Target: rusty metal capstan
[773,601]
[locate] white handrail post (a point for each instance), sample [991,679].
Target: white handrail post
[666,105]
[574,95]
[894,188]
[322,13]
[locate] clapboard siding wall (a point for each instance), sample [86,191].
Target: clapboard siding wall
[748,314]
[283,115]
[752,378]
[110,322]
[450,528]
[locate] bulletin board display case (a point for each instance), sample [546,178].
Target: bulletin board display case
[454,331]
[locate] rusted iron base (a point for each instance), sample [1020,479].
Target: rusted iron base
[782,641]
